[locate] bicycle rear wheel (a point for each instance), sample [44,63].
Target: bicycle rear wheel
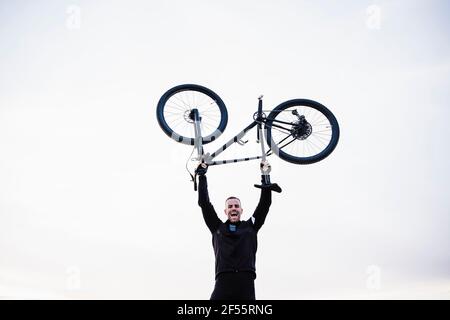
[174,113]
[302,131]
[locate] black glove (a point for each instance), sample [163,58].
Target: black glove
[201,169]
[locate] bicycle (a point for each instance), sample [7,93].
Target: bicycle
[188,111]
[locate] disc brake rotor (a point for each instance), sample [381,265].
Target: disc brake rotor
[302,129]
[188,116]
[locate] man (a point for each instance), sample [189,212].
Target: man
[234,241]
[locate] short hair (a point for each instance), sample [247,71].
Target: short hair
[232,197]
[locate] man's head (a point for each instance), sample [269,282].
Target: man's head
[233,209]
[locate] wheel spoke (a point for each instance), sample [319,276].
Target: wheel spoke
[319,138]
[177,113]
[182,101]
[174,107]
[322,131]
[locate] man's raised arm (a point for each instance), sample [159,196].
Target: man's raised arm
[259,216]
[209,214]
[265,200]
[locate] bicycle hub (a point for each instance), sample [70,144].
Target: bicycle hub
[189,116]
[302,129]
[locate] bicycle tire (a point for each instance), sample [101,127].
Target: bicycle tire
[305,103]
[180,137]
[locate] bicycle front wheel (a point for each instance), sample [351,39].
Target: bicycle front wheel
[302,131]
[174,113]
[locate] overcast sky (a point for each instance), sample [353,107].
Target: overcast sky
[95,201]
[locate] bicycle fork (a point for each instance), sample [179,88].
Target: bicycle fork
[198,140]
[198,134]
[264,165]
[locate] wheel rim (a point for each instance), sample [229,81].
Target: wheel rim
[309,134]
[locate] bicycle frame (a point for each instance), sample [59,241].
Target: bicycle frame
[208,158]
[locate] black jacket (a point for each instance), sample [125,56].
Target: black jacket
[234,250]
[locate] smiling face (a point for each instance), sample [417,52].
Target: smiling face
[233,209]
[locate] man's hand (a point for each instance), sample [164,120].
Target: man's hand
[201,169]
[265,167]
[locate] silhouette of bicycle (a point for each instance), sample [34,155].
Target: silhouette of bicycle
[300,131]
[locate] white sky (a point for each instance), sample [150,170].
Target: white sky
[94,198]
